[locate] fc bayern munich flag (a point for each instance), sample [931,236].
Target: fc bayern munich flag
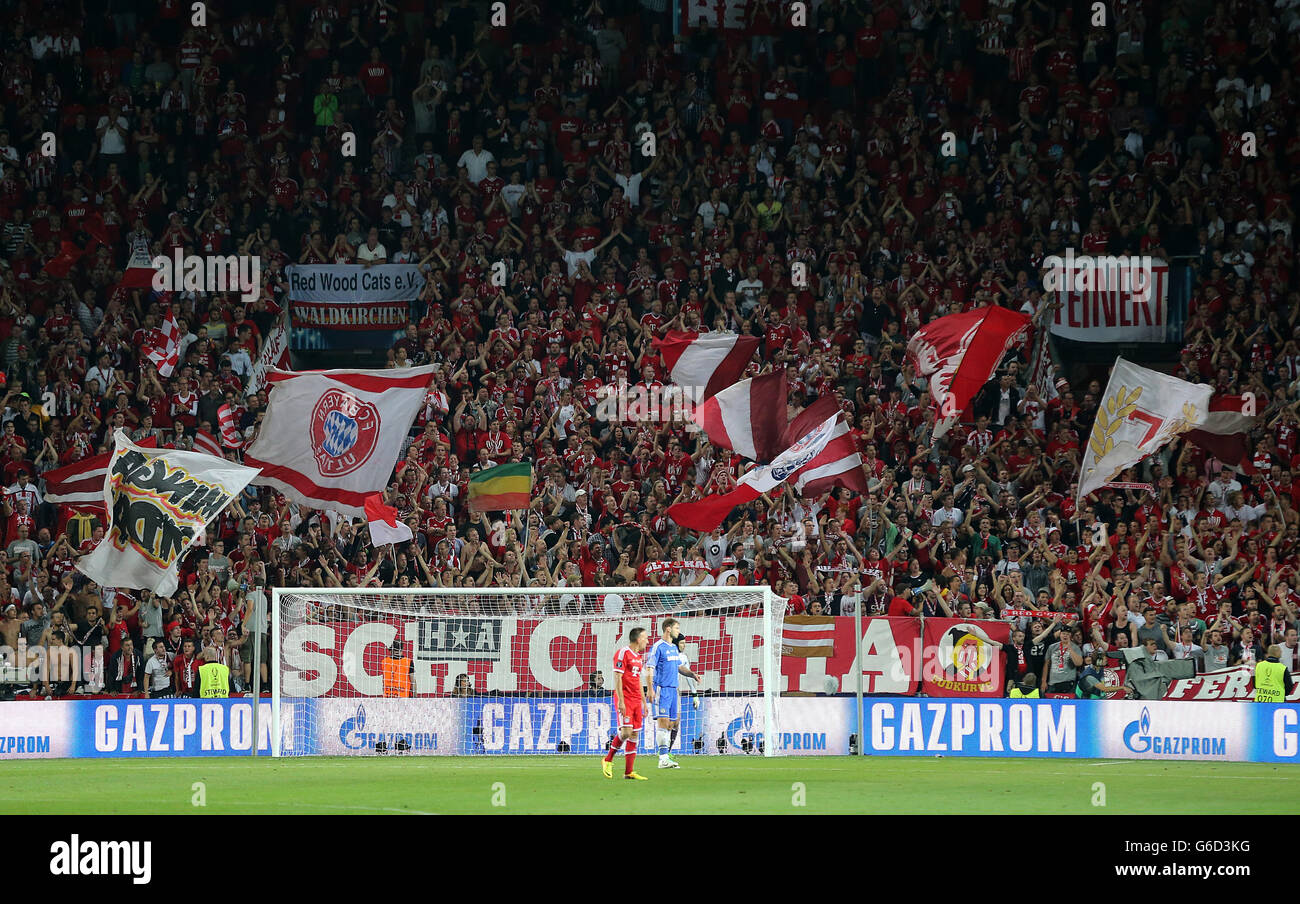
[1226,430]
[711,511]
[163,346]
[839,464]
[705,363]
[960,352]
[748,418]
[330,438]
[159,501]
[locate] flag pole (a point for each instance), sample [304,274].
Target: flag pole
[523,535]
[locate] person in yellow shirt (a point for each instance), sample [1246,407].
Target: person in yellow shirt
[1273,683]
[214,675]
[1027,688]
[399,671]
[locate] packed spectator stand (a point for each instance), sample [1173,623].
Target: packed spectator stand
[772,145]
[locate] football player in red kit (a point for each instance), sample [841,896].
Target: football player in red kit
[628,703]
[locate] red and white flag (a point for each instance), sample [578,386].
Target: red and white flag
[80,485]
[140,270]
[163,346]
[748,418]
[808,635]
[384,526]
[1226,430]
[274,354]
[711,511]
[705,363]
[230,434]
[960,352]
[204,442]
[839,464]
[332,437]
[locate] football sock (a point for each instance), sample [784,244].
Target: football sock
[629,755]
[661,737]
[672,738]
[614,745]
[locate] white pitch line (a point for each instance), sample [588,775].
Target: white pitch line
[254,803]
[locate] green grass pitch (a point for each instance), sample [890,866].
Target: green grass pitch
[704,785]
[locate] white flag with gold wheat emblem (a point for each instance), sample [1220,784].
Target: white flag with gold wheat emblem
[1140,411]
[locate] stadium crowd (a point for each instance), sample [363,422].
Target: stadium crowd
[772,145]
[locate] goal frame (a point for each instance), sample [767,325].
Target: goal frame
[771,658]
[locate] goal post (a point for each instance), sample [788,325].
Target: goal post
[473,671]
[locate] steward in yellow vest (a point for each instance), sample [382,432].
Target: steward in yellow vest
[214,677]
[1026,689]
[1273,683]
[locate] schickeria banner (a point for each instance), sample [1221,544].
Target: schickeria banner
[349,306]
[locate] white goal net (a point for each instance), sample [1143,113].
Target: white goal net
[516,671]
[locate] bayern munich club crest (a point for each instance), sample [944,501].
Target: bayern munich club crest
[344,431]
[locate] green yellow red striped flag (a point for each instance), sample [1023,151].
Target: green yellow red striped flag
[501,489]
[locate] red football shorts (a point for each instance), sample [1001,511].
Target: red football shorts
[633,715]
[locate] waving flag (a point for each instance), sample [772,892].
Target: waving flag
[808,636]
[505,488]
[163,346]
[1226,430]
[748,418]
[205,443]
[705,363]
[332,437]
[274,354]
[140,270]
[90,236]
[230,434]
[80,485]
[1140,411]
[960,352]
[711,511]
[839,464]
[384,526]
[159,502]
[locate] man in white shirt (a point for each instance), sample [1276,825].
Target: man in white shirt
[399,191]
[1223,486]
[1291,652]
[41,45]
[710,209]
[102,372]
[947,514]
[158,671]
[630,182]
[444,487]
[25,490]
[513,191]
[475,161]
[372,252]
[749,289]
[112,131]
